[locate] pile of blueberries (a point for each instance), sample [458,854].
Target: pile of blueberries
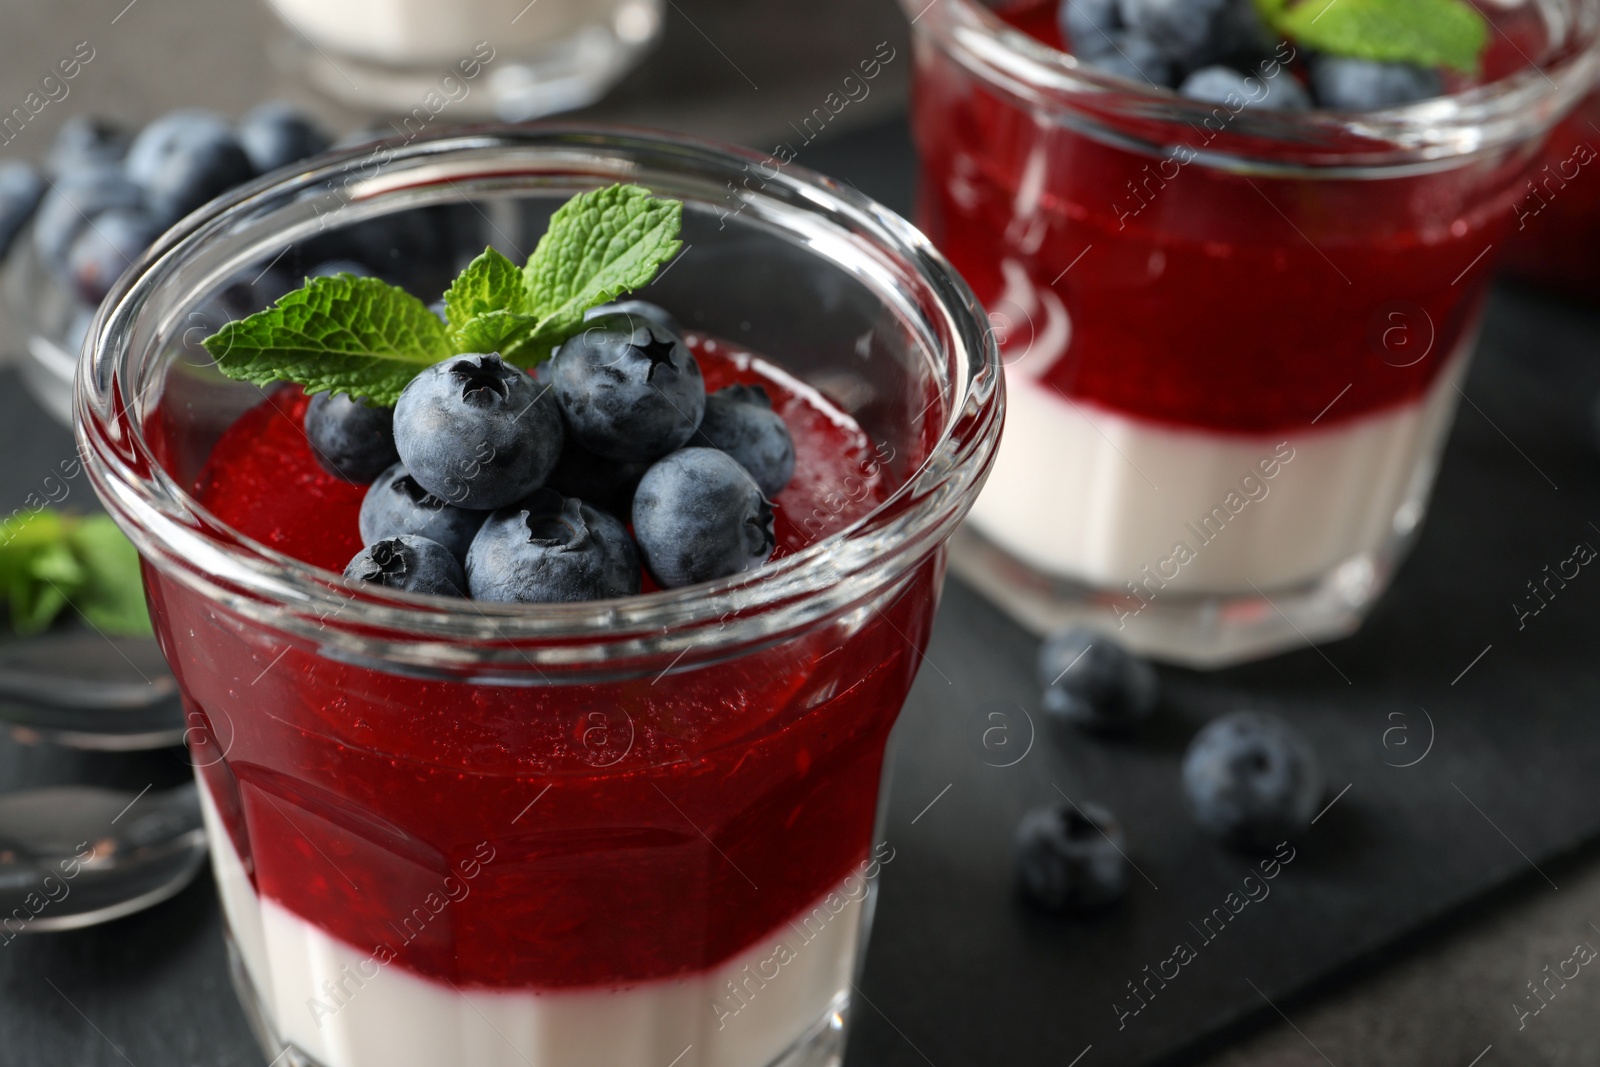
[105,193]
[1216,49]
[1251,779]
[495,484]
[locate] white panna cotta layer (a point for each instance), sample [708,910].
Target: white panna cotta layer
[333,1002]
[1117,502]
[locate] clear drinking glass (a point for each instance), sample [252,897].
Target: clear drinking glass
[1234,337]
[1555,242]
[620,832]
[507,59]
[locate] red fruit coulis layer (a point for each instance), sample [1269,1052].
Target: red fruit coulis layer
[1198,297]
[569,836]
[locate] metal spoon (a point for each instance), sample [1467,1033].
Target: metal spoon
[79,689]
[73,856]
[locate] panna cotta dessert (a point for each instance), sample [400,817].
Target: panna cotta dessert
[1236,263]
[540,650]
[513,58]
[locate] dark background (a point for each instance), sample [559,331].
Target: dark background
[1402,935]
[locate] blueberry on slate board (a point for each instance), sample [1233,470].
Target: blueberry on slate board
[549,548]
[476,432]
[106,247]
[76,198]
[1093,683]
[397,505]
[699,516]
[410,563]
[21,187]
[351,437]
[605,483]
[630,390]
[1070,859]
[277,133]
[86,141]
[641,308]
[1344,83]
[739,420]
[1252,780]
[1224,85]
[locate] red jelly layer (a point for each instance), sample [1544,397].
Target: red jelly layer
[1197,297]
[542,837]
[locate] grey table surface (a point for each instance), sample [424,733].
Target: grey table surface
[739,71]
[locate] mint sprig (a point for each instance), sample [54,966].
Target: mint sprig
[343,334]
[1427,33]
[50,561]
[367,338]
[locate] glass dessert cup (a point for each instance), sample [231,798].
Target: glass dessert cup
[1233,340]
[507,59]
[616,832]
[1555,243]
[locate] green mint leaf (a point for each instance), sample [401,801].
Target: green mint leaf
[600,244]
[49,562]
[31,548]
[1427,33]
[343,334]
[495,331]
[490,283]
[111,594]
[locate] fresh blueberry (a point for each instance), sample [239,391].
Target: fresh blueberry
[73,200]
[351,438]
[277,133]
[1344,83]
[1224,85]
[740,421]
[1252,780]
[641,308]
[605,483]
[1196,33]
[1092,682]
[1088,25]
[550,548]
[21,186]
[1132,56]
[106,247]
[630,390]
[699,516]
[410,563]
[202,165]
[1070,858]
[170,135]
[397,505]
[477,433]
[86,141]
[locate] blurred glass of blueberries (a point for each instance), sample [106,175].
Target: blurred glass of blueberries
[106,192]
[1221,52]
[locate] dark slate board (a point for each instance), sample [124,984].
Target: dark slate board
[959,971]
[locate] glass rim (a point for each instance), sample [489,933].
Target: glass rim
[1428,135]
[178,537]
